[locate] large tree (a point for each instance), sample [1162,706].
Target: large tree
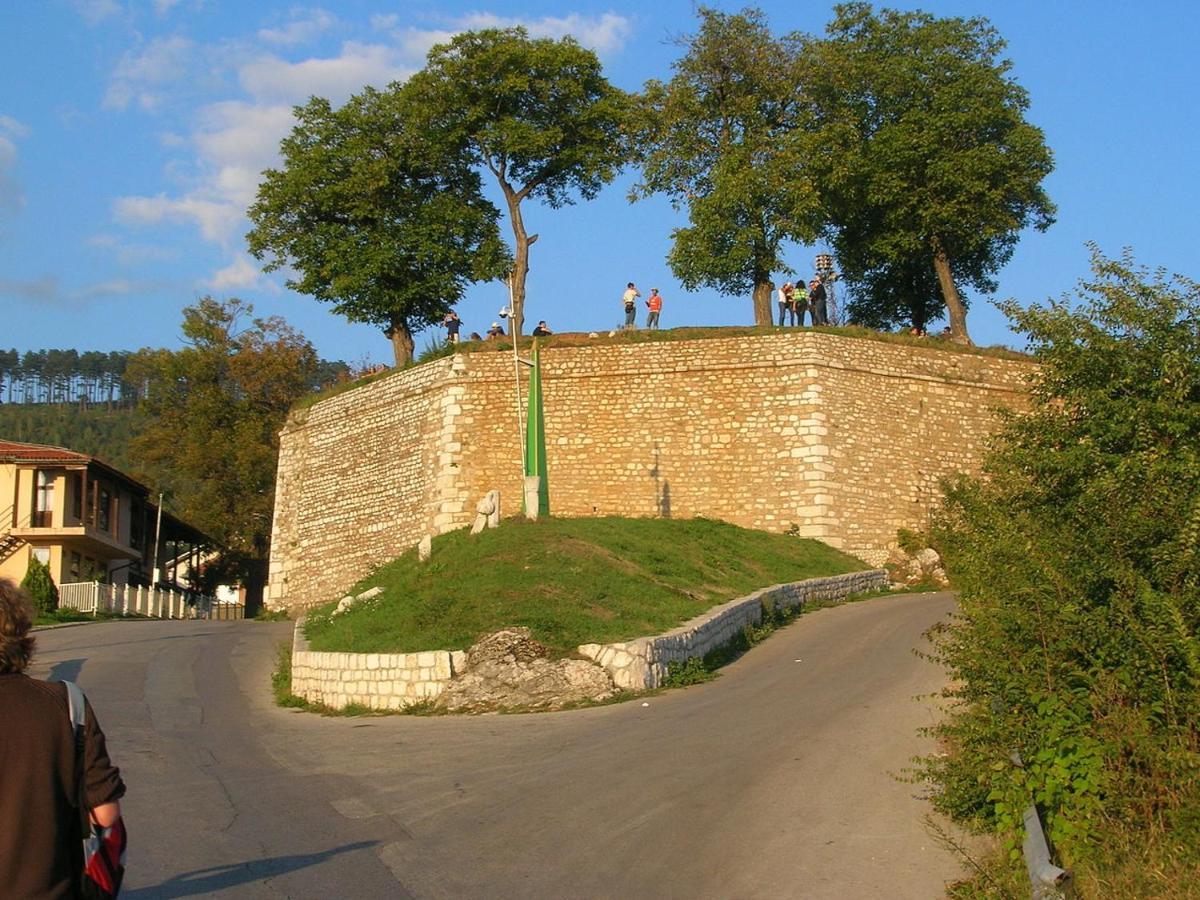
[373,219]
[715,140]
[536,113]
[921,145]
[213,414]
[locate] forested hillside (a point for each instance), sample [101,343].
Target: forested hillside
[96,430]
[87,401]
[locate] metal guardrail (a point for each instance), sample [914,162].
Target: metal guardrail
[1046,879]
[158,603]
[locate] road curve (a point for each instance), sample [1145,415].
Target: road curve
[776,780]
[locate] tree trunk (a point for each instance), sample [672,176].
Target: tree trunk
[402,341]
[254,581]
[917,303]
[520,270]
[762,302]
[954,305]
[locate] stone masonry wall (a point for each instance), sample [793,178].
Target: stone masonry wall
[843,438]
[362,476]
[373,680]
[642,664]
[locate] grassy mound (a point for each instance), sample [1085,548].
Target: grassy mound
[570,581]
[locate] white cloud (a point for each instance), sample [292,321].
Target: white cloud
[216,220]
[162,7]
[13,128]
[241,273]
[114,288]
[273,79]
[12,197]
[604,34]
[131,255]
[305,26]
[96,11]
[41,290]
[140,77]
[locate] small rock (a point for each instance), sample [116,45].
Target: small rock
[425,548]
[370,593]
[928,558]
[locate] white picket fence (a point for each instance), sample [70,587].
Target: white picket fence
[94,597]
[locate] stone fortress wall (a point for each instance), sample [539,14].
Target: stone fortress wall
[837,438]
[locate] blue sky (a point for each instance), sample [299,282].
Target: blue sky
[132,133]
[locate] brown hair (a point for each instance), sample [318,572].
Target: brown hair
[16,646]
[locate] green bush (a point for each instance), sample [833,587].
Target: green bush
[1078,559]
[40,587]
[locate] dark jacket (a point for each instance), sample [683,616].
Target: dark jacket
[40,852]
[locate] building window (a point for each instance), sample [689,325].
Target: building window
[137,521]
[104,508]
[77,496]
[42,555]
[43,516]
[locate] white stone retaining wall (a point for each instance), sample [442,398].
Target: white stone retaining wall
[642,664]
[396,680]
[374,680]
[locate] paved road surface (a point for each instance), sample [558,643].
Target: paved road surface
[774,781]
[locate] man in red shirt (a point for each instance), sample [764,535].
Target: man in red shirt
[654,304]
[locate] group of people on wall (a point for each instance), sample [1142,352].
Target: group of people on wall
[796,299]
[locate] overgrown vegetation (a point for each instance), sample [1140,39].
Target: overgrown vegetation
[1078,558]
[570,581]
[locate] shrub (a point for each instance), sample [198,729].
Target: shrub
[40,587]
[1078,560]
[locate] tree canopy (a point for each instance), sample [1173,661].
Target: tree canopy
[1078,560]
[537,113]
[715,139]
[373,219]
[213,413]
[920,144]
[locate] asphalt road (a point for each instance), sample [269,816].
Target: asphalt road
[777,780]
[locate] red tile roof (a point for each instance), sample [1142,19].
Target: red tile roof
[14,451]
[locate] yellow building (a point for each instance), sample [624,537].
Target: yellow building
[85,520]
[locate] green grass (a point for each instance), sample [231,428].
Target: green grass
[570,581]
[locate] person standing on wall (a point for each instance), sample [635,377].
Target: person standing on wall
[783,298]
[453,325]
[629,299]
[800,301]
[816,300]
[654,307]
[542,330]
[41,847]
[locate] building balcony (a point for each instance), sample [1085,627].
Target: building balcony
[83,538]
